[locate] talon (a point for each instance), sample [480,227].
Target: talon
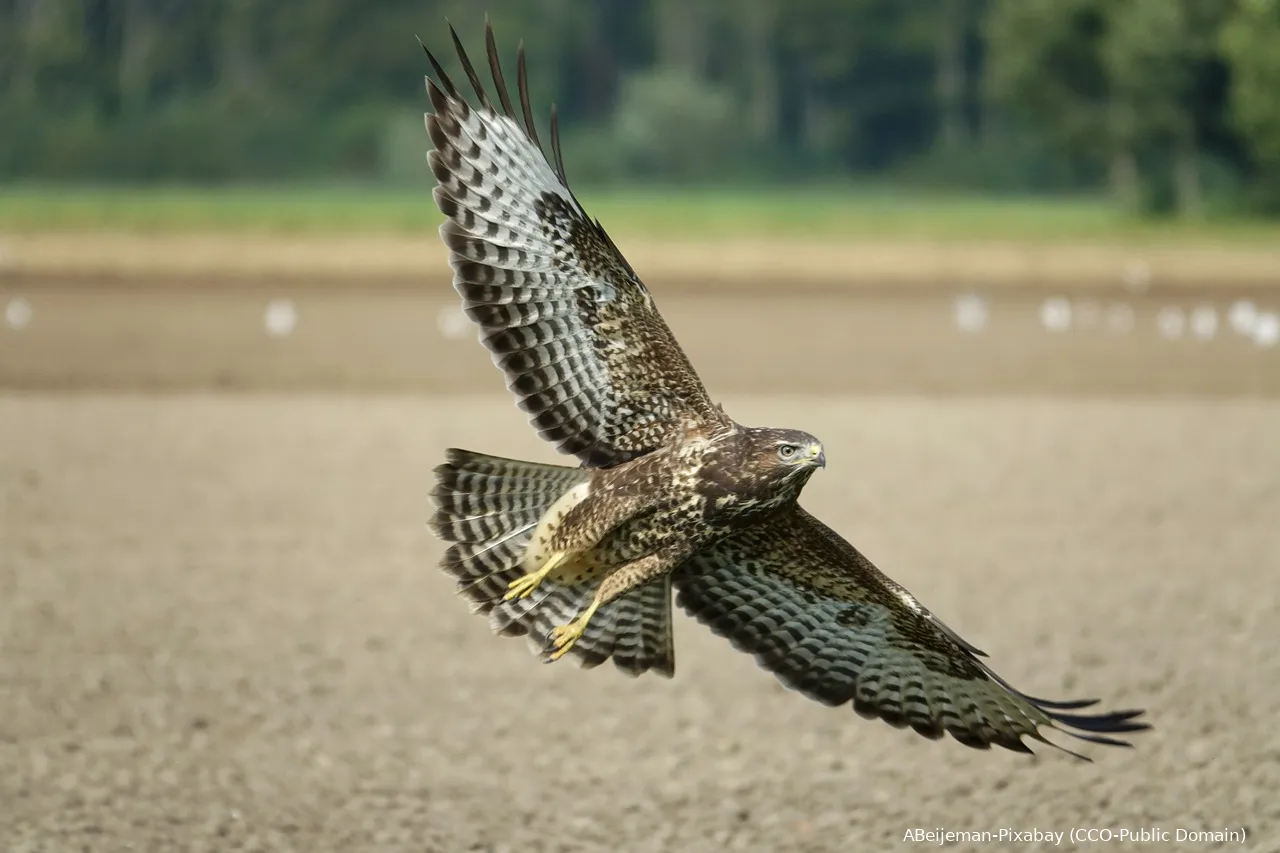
[564,636]
[523,587]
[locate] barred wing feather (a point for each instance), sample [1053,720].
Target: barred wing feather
[567,320]
[827,623]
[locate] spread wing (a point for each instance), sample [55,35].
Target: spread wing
[826,622]
[566,318]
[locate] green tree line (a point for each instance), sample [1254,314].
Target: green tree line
[1170,105]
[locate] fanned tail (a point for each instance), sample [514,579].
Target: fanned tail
[487,508]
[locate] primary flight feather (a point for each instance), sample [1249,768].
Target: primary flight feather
[670,492]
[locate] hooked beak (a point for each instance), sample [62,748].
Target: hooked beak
[817,456]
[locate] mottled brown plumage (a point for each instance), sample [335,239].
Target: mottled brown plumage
[671,492]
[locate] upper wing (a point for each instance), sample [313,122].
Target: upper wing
[572,327]
[821,617]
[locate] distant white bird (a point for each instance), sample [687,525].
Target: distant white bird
[1266,330]
[281,317]
[971,313]
[17,313]
[1055,314]
[1242,316]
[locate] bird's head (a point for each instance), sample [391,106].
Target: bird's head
[783,459]
[792,452]
[758,469]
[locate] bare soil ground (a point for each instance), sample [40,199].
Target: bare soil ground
[221,628]
[745,265]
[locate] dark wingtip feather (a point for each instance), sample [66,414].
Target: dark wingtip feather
[495,68]
[522,90]
[1096,728]
[1113,722]
[1071,705]
[445,82]
[1087,727]
[555,146]
[556,160]
[470,70]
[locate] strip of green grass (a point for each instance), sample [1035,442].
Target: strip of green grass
[837,213]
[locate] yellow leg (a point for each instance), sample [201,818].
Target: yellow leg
[564,636]
[523,587]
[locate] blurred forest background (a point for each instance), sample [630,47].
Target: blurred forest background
[1166,106]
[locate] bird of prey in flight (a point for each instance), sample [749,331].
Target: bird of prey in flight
[670,493]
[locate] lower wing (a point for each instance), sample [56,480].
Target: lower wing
[829,624]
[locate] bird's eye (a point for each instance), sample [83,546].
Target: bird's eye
[788,451]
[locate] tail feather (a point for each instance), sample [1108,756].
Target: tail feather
[487,508]
[642,638]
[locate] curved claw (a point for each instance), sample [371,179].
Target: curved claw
[564,636]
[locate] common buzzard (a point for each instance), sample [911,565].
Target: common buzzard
[670,491]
